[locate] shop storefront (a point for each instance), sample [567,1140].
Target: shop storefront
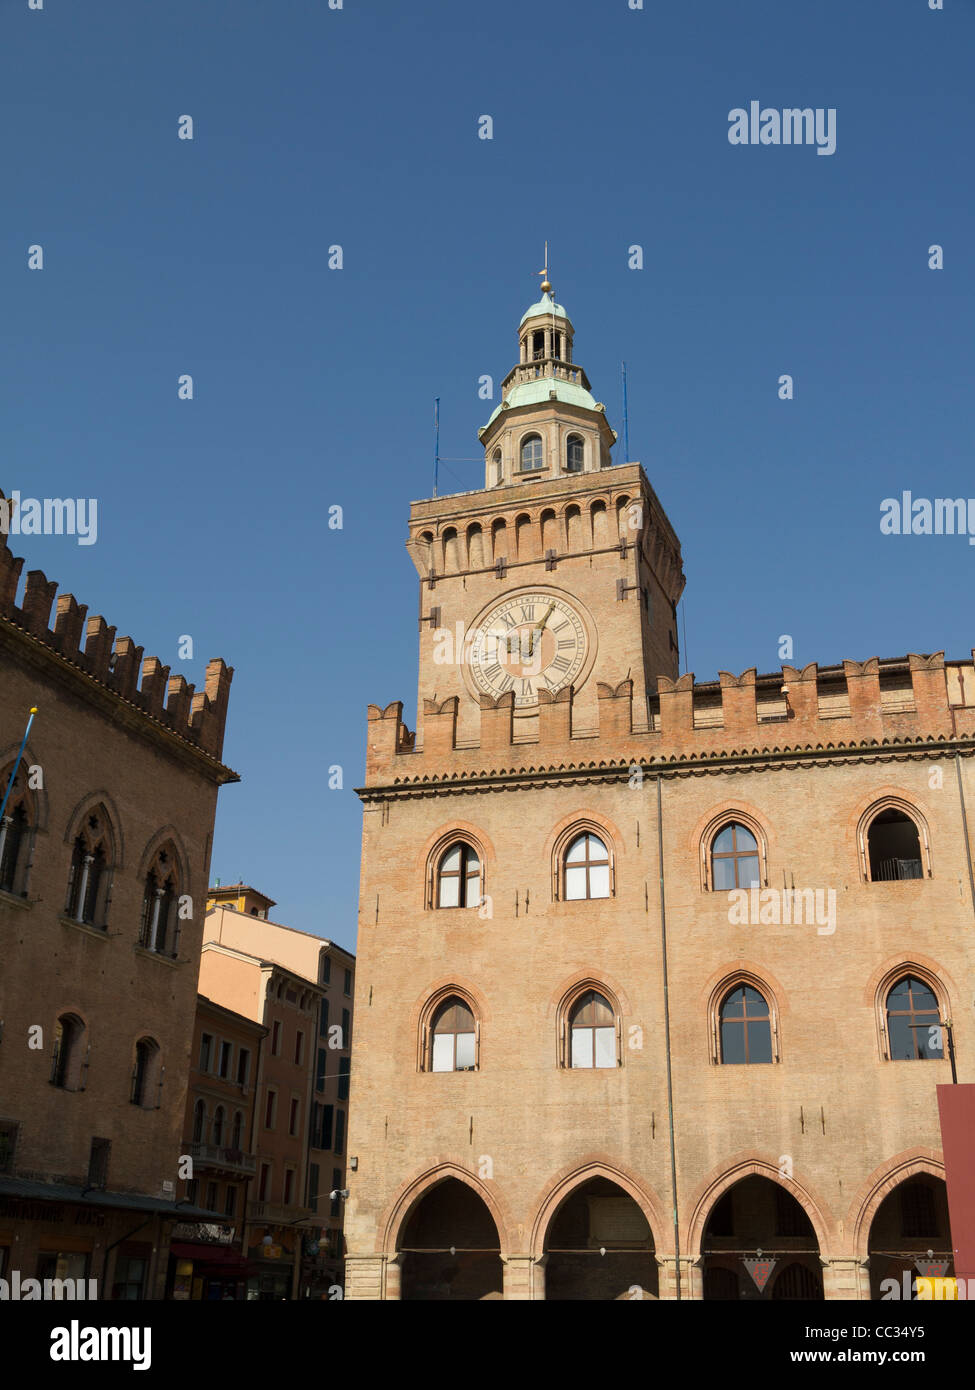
[206,1273]
[272,1254]
[109,1245]
[206,1265]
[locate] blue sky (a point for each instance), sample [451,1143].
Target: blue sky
[315,387]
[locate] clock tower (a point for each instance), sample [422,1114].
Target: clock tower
[578,1056]
[561,572]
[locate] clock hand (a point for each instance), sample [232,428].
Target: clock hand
[537,631]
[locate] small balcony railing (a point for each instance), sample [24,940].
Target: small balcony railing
[891,869]
[217,1156]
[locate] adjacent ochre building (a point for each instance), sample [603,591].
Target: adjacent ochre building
[104,859]
[207,1260]
[654,973]
[300,987]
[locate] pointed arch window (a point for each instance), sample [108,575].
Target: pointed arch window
[159,921]
[745,1026]
[237,1130]
[575,454]
[531,453]
[453,1037]
[914,1031]
[69,1059]
[735,860]
[586,868]
[459,876]
[592,1032]
[15,834]
[893,849]
[147,1075]
[89,876]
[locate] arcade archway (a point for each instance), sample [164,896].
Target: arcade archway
[910,1235]
[759,1243]
[449,1246]
[599,1246]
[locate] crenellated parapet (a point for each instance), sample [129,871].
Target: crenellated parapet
[88,645]
[877,704]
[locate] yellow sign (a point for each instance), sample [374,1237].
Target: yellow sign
[930,1289]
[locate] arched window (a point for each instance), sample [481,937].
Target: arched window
[146,1074]
[219,1123]
[237,1130]
[15,834]
[531,452]
[69,1061]
[88,879]
[453,1037]
[199,1121]
[498,468]
[159,925]
[913,1021]
[745,1026]
[592,1032]
[451,552]
[459,877]
[575,454]
[893,847]
[586,868]
[424,550]
[734,858]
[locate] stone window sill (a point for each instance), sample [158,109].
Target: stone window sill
[156,955]
[14,899]
[99,933]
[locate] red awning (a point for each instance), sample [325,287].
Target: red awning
[219,1257]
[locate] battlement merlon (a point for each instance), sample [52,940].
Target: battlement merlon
[884,703]
[507,522]
[86,650]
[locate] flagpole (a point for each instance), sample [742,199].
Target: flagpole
[20,754]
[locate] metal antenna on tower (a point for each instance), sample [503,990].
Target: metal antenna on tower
[626,421]
[436,444]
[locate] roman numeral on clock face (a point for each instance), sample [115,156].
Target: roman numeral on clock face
[513,636]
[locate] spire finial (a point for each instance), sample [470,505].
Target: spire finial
[546,286]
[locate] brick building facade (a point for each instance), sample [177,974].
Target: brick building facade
[256,965]
[655,973]
[104,860]
[207,1259]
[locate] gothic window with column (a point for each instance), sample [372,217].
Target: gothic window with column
[90,873]
[15,833]
[159,925]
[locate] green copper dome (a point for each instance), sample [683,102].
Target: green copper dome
[545,306]
[539,390]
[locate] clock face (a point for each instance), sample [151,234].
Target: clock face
[530,641]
